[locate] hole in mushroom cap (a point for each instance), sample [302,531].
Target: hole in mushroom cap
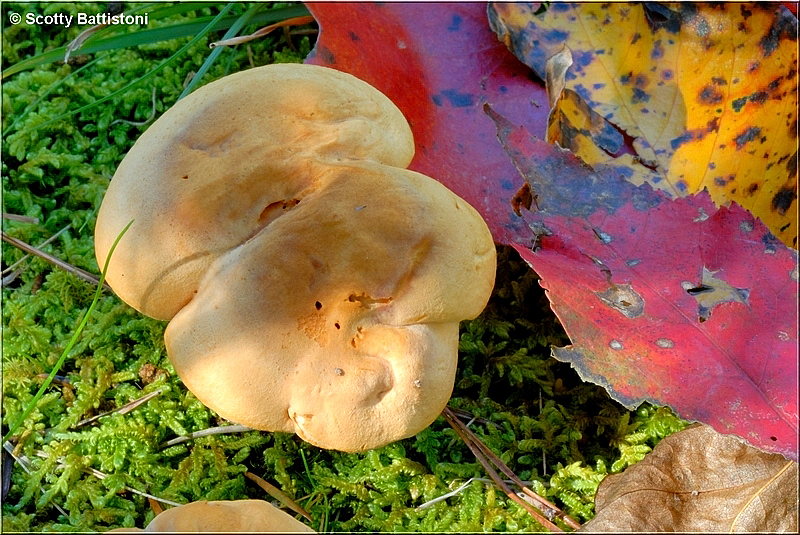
[276,209]
[367,301]
[318,305]
[269,214]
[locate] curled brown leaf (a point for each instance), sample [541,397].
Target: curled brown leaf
[699,480]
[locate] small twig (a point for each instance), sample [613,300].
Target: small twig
[78,272]
[296,21]
[449,494]
[465,415]
[278,494]
[155,506]
[544,453]
[305,31]
[11,277]
[486,457]
[124,409]
[76,43]
[207,432]
[48,241]
[20,218]
[189,77]
[114,8]
[100,475]
[549,507]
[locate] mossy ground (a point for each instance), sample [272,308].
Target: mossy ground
[553,430]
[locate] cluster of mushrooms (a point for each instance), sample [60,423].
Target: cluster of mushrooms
[312,283]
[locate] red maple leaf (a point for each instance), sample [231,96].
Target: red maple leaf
[671,301]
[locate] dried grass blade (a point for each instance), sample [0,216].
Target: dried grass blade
[207,432]
[472,443]
[20,218]
[124,409]
[48,241]
[278,494]
[78,272]
[548,506]
[295,21]
[100,475]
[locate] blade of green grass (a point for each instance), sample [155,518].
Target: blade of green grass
[158,68]
[154,35]
[234,30]
[71,344]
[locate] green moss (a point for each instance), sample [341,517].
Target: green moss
[553,430]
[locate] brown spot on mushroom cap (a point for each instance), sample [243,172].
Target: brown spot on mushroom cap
[237,516]
[364,266]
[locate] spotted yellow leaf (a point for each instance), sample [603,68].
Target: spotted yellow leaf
[707,92]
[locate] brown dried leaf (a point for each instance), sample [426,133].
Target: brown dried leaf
[699,480]
[556,72]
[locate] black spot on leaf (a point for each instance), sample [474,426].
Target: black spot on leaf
[639,96]
[791,165]
[743,8]
[710,95]
[783,200]
[680,140]
[738,104]
[658,50]
[784,27]
[747,136]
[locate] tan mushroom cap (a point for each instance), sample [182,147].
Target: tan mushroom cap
[238,516]
[223,162]
[329,305]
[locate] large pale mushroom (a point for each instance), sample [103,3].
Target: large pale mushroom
[314,285]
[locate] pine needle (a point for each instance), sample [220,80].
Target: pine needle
[296,21]
[278,494]
[78,272]
[486,457]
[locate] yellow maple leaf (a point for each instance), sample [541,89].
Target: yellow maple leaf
[707,92]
